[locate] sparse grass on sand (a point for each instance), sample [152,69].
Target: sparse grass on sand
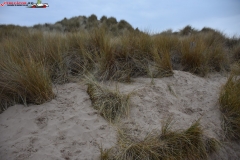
[230,104]
[111,104]
[166,145]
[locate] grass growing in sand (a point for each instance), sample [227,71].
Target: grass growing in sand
[168,144]
[23,81]
[110,104]
[230,104]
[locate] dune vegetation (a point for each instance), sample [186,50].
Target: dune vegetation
[112,105]
[33,59]
[164,144]
[230,104]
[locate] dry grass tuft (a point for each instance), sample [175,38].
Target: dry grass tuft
[193,52]
[167,145]
[23,81]
[140,55]
[230,105]
[110,104]
[203,53]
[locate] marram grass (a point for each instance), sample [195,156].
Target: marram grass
[230,106]
[130,54]
[23,81]
[110,104]
[186,144]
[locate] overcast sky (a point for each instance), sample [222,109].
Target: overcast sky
[151,15]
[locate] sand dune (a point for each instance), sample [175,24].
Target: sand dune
[69,128]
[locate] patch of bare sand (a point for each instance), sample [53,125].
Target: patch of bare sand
[65,128]
[183,96]
[69,128]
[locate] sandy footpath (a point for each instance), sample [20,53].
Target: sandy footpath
[69,128]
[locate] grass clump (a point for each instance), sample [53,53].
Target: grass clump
[163,47]
[80,57]
[203,52]
[193,53]
[23,81]
[167,145]
[139,55]
[230,105]
[49,50]
[130,55]
[236,52]
[110,104]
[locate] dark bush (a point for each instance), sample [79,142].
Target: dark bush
[104,18]
[111,21]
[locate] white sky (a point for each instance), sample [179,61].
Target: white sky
[151,15]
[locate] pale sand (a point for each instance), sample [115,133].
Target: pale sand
[69,128]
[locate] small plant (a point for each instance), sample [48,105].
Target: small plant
[171,90]
[104,153]
[110,104]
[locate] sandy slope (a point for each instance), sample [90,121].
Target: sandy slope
[69,128]
[65,128]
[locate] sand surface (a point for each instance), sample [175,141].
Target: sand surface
[69,128]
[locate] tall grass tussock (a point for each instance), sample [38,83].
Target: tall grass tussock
[111,104]
[230,104]
[203,53]
[165,145]
[23,81]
